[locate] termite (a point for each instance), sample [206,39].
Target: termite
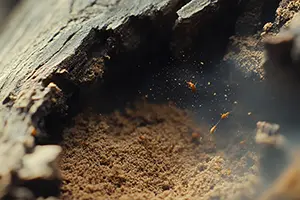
[213,129]
[225,115]
[192,86]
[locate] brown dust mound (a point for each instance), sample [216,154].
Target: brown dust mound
[150,152]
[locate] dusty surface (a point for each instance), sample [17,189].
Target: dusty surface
[246,49]
[150,152]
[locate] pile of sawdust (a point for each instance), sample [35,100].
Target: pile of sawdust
[146,153]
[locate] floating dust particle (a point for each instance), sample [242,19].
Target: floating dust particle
[147,153]
[107,57]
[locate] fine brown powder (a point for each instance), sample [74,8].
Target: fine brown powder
[149,152]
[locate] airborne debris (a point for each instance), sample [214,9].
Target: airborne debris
[223,116]
[213,129]
[107,56]
[192,86]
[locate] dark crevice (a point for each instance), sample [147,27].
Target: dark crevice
[43,188]
[130,56]
[269,11]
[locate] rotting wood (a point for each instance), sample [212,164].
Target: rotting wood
[41,50]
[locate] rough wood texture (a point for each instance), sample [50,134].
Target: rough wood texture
[49,44]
